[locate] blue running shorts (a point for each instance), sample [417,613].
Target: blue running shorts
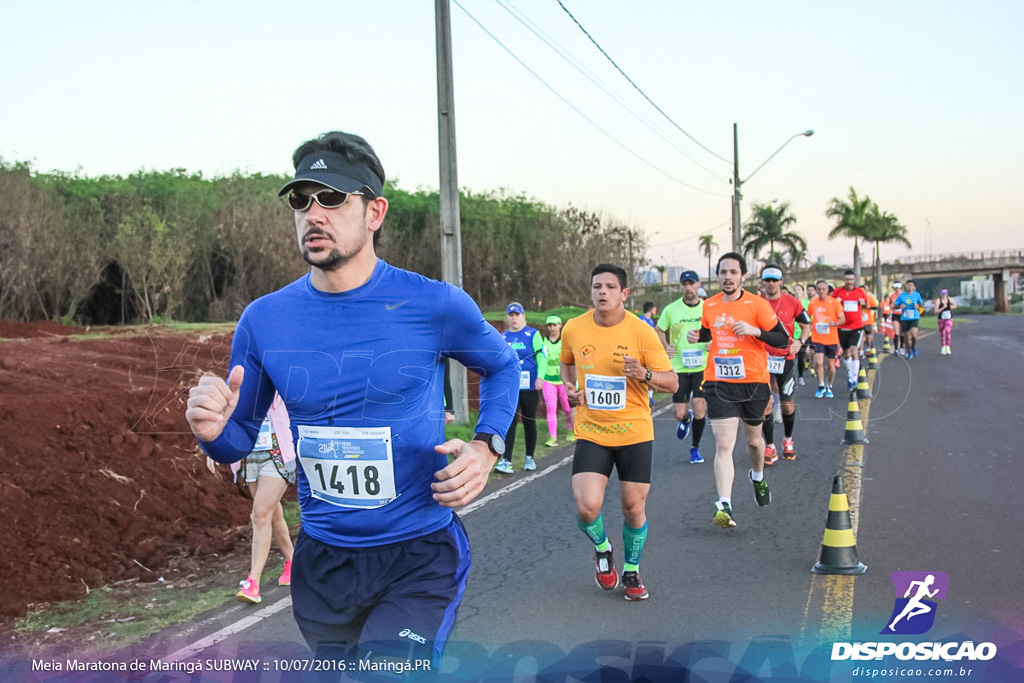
[397,600]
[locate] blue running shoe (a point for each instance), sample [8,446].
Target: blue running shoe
[915,352]
[820,393]
[695,457]
[828,393]
[851,384]
[683,428]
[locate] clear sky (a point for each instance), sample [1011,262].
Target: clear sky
[915,103]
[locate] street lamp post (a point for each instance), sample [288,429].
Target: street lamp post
[737,240]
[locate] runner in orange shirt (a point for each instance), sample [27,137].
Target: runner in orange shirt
[826,316]
[610,358]
[739,325]
[869,324]
[897,341]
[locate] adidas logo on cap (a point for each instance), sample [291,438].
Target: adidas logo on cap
[318,165]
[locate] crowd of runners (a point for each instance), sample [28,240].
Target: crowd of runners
[355,415]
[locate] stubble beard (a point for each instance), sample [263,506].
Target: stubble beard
[334,261]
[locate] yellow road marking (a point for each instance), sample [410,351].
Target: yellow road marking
[828,613]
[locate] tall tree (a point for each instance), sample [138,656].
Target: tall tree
[883,226]
[851,221]
[769,226]
[707,245]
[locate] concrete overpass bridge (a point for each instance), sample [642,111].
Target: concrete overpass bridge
[1000,264]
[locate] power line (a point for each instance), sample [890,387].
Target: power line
[531,26]
[693,236]
[577,110]
[608,57]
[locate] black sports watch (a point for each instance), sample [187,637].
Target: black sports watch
[494,442]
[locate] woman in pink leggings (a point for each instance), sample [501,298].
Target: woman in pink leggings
[944,308]
[553,390]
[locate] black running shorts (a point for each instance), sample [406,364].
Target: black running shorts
[786,380]
[745,400]
[850,338]
[632,462]
[691,384]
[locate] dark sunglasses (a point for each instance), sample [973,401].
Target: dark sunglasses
[327,198]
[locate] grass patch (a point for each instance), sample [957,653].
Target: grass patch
[292,513]
[115,331]
[932,323]
[536,319]
[518,455]
[113,617]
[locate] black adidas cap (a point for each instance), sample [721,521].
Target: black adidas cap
[335,171]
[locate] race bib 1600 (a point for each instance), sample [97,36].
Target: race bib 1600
[606,393]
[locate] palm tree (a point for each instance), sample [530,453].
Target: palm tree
[883,226]
[707,244]
[768,226]
[851,221]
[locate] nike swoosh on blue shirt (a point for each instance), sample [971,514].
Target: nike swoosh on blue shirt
[391,307]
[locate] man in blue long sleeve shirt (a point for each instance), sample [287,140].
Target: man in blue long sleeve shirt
[355,348]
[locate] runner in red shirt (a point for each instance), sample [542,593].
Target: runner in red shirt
[782,362]
[854,299]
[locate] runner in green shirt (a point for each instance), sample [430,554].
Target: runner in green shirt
[553,390]
[688,360]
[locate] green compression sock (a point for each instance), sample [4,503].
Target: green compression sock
[595,532]
[633,541]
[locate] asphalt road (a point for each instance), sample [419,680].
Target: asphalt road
[937,489]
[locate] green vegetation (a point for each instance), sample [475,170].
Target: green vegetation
[120,615]
[769,226]
[536,318]
[465,432]
[861,219]
[161,246]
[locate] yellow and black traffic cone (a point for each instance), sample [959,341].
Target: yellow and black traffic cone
[854,426]
[863,389]
[839,546]
[886,346]
[872,358]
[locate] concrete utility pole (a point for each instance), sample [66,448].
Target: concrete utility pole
[737,239]
[451,232]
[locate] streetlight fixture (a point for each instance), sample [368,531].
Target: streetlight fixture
[737,240]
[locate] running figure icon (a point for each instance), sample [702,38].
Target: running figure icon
[915,606]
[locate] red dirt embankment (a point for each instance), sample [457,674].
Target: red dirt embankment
[100,478]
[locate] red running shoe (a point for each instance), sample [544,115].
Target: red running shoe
[606,576]
[771,456]
[635,589]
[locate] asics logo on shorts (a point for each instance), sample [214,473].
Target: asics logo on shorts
[406,633]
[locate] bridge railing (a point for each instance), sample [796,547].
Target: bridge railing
[996,255]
